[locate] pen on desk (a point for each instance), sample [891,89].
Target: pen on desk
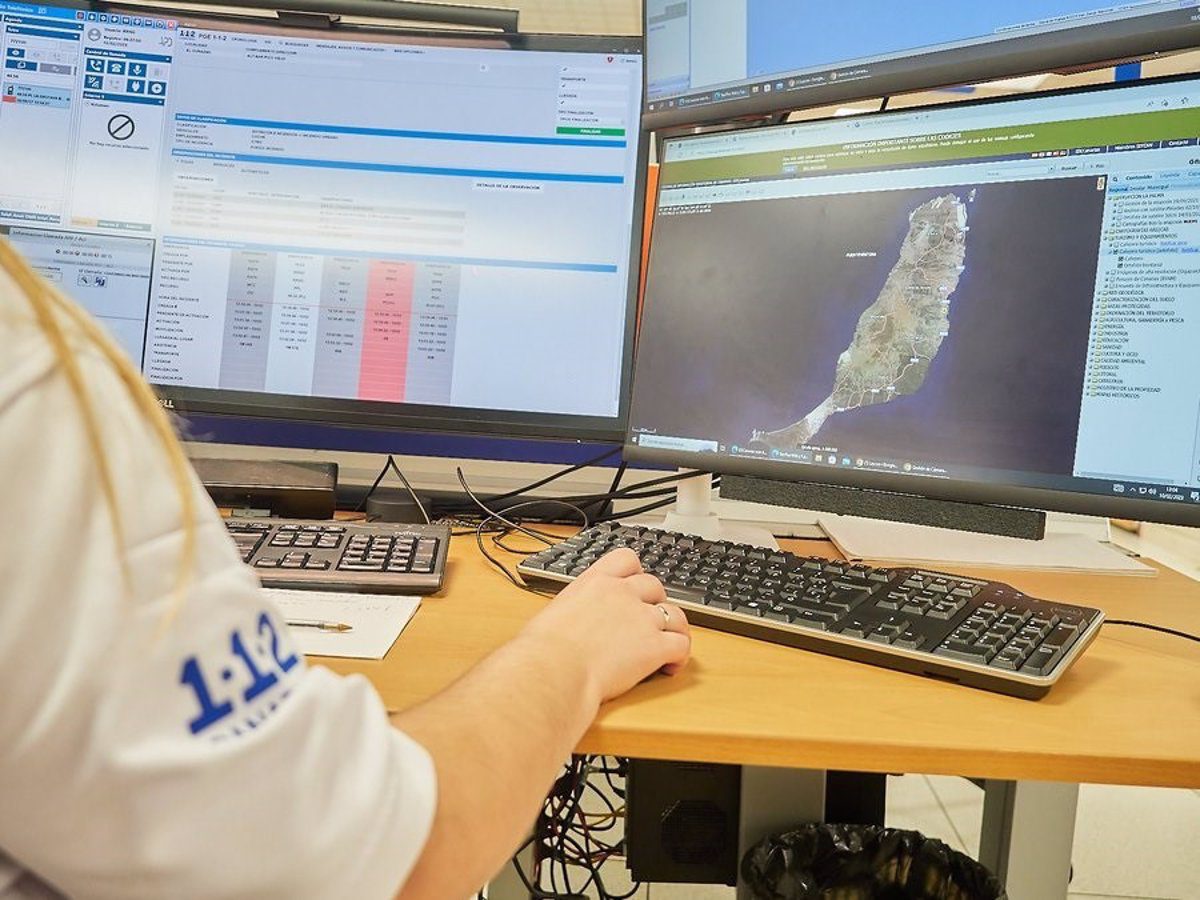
[323,626]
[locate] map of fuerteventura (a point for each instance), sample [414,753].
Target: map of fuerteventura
[899,334]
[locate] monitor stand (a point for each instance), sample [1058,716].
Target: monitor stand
[693,514]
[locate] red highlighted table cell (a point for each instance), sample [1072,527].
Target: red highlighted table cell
[384,366]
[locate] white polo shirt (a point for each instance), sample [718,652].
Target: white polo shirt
[153,751]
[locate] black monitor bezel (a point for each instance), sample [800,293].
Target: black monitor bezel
[1086,46]
[406,417]
[919,486]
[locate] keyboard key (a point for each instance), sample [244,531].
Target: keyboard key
[1060,637]
[965,653]
[844,585]
[1042,661]
[810,619]
[909,640]
[944,610]
[1008,659]
[816,610]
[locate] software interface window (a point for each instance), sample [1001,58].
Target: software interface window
[997,292]
[704,51]
[347,219]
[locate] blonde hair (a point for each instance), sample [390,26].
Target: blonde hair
[66,327]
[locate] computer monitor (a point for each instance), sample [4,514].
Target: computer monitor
[353,227]
[715,60]
[991,302]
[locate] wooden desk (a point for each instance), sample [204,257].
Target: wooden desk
[1127,713]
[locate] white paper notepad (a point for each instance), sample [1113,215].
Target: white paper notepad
[375,621]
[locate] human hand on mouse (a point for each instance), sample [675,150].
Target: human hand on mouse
[618,623]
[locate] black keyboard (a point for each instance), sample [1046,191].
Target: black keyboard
[343,556]
[979,633]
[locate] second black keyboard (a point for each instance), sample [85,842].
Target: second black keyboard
[343,556]
[976,632]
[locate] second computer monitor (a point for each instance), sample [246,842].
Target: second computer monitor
[993,302]
[714,60]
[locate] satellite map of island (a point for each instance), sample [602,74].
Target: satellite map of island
[789,319]
[899,334]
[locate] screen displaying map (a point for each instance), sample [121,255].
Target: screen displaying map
[998,296]
[946,325]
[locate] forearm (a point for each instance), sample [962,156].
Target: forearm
[497,737]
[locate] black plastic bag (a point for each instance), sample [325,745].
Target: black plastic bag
[863,862]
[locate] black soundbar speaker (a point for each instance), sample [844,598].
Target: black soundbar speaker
[291,490]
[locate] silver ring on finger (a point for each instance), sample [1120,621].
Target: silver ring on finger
[666,615]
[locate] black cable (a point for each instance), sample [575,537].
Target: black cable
[562,473]
[409,488]
[1160,628]
[636,489]
[462,479]
[514,579]
[633,492]
[641,510]
[883,104]
[666,479]
[575,794]
[391,463]
[498,541]
[564,840]
[374,485]
[616,482]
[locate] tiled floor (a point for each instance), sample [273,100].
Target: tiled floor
[1130,843]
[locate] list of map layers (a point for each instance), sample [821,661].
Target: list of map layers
[1147,281]
[379,329]
[1146,317]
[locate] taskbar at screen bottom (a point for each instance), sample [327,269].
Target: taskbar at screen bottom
[1108,496]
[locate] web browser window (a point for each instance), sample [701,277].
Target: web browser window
[360,217]
[1003,292]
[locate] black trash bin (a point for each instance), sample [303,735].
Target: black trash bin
[863,862]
